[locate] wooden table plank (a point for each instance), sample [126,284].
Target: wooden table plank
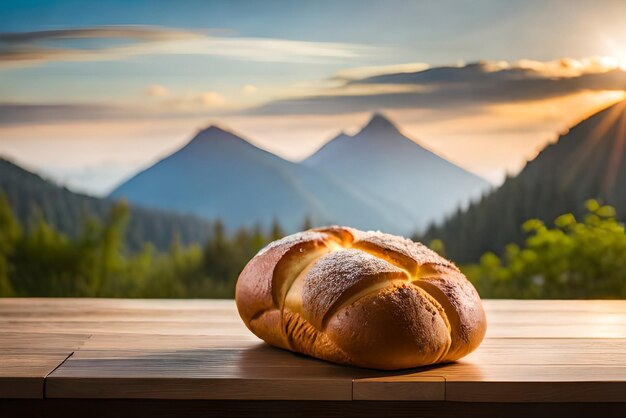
[535,351]
[162,342]
[22,373]
[129,327]
[393,388]
[27,358]
[467,382]
[507,319]
[40,340]
[556,318]
[549,351]
[259,372]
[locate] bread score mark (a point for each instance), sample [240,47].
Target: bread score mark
[290,290]
[349,300]
[433,305]
[416,273]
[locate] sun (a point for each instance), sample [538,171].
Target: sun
[615,55]
[620,63]
[614,61]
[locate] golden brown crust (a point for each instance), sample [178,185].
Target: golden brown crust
[394,328]
[261,282]
[337,276]
[362,298]
[462,305]
[400,251]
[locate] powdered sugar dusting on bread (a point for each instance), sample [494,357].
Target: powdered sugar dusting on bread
[404,246]
[291,240]
[351,264]
[333,274]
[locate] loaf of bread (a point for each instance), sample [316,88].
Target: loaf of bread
[366,299]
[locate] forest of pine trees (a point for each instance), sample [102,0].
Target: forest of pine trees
[570,260]
[66,211]
[38,260]
[586,162]
[496,220]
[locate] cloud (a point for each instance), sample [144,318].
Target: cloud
[212,99]
[184,102]
[19,49]
[26,113]
[167,106]
[193,103]
[348,74]
[204,104]
[439,92]
[454,87]
[157,90]
[37,47]
[249,89]
[139,33]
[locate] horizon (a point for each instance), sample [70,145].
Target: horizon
[231,131]
[252,142]
[94,96]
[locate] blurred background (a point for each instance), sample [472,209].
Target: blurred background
[151,148]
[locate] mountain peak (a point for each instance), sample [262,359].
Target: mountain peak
[379,121]
[215,133]
[211,131]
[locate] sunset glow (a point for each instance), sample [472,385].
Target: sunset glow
[108,96]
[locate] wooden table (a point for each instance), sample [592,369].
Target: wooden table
[120,357]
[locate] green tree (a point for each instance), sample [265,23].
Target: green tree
[10,233]
[571,260]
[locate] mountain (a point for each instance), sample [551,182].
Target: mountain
[221,175]
[587,162]
[28,193]
[413,183]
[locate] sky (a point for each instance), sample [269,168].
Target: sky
[92,92]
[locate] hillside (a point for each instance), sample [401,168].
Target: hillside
[588,161]
[29,194]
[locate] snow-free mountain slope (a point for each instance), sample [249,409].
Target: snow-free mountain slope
[415,183]
[219,175]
